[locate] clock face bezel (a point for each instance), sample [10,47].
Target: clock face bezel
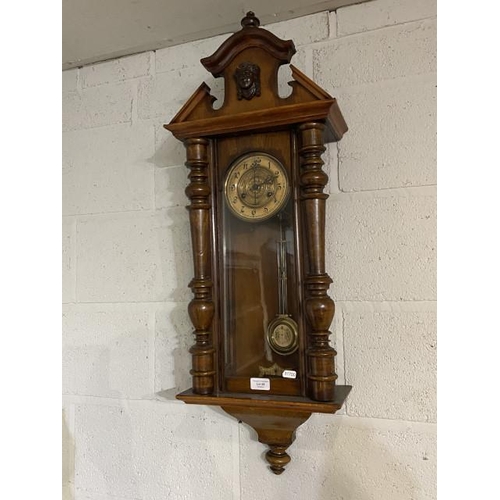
[283,320]
[247,217]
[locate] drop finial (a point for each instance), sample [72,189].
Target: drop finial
[250,21]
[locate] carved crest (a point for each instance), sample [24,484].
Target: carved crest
[247,76]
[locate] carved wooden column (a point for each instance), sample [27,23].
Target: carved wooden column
[201,308]
[320,308]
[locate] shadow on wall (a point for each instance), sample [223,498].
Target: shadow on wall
[172,346]
[68,454]
[169,151]
[181,356]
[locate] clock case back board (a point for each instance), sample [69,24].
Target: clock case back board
[254,121]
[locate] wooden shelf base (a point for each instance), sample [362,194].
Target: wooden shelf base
[274,418]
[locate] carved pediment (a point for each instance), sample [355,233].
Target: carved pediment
[249,61]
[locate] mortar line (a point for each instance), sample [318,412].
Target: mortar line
[144,302]
[378,302]
[93,398]
[128,302]
[152,349]
[131,80]
[387,307]
[79,87]
[388,420]
[402,192]
[152,64]
[361,33]
[381,82]
[74,252]
[147,211]
[387,188]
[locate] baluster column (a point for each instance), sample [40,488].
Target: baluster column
[201,308]
[320,308]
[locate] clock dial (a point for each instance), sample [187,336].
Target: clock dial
[256,187]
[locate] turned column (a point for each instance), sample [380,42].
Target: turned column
[320,308]
[201,308]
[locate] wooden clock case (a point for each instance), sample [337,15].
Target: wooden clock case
[254,117]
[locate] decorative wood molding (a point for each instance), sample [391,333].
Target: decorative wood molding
[276,402]
[269,119]
[249,37]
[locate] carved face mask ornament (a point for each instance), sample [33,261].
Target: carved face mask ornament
[247,76]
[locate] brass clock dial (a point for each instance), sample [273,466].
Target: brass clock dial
[256,187]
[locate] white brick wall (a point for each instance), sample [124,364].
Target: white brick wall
[127,263]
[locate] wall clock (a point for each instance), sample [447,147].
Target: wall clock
[261,310]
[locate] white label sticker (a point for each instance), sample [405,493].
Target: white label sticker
[289,374]
[260,384]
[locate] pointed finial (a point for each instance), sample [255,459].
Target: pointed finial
[250,21]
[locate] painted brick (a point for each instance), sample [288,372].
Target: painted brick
[391,364]
[134,257]
[341,458]
[170,184]
[380,13]
[69,80]
[173,338]
[116,70]
[97,107]
[154,451]
[105,353]
[302,30]
[164,95]
[188,54]
[391,140]
[393,52]
[381,248]
[108,169]
[68,264]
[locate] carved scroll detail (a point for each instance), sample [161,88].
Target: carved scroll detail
[201,308]
[320,308]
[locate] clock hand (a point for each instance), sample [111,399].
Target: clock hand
[254,190]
